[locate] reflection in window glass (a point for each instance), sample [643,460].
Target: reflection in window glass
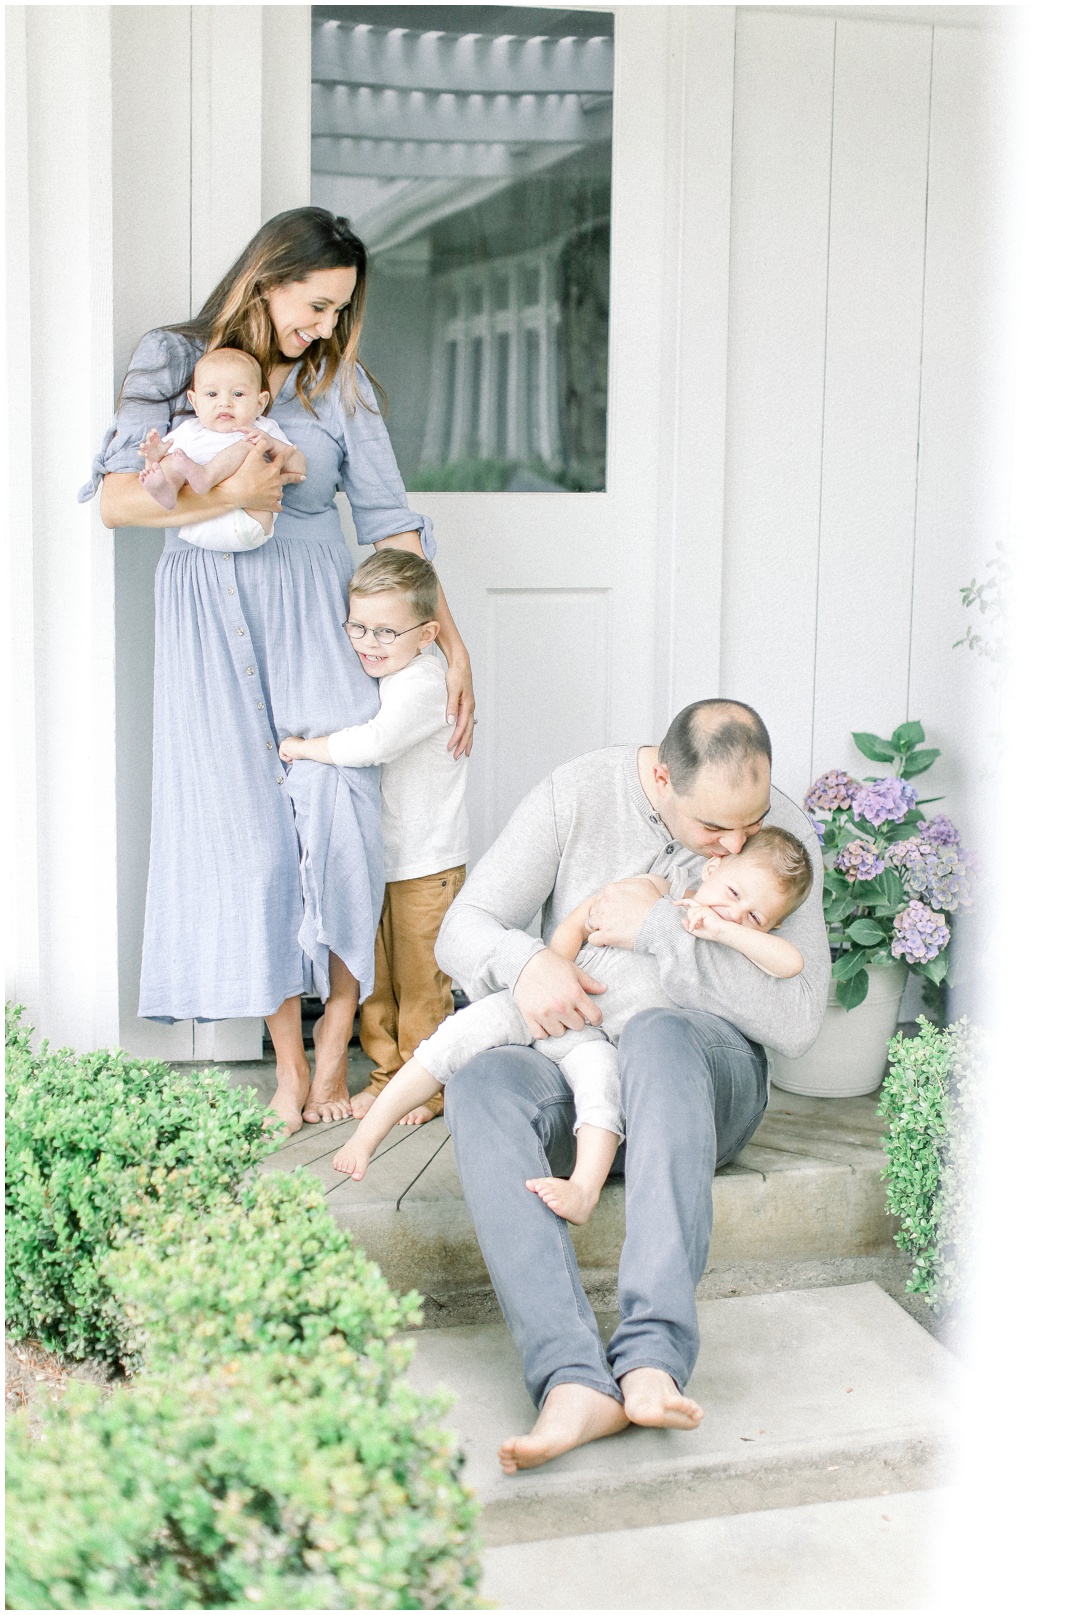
[470,147]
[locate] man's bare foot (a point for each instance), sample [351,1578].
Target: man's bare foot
[292,1091]
[652,1397]
[571,1416]
[417,1117]
[158,486]
[572,1201]
[328,1100]
[353,1158]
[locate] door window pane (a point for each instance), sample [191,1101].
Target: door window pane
[470,148]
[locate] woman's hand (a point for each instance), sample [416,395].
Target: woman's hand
[460,702]
[258,483]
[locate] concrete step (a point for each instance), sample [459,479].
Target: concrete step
[868,1553]
[807,1185]
[811,1396]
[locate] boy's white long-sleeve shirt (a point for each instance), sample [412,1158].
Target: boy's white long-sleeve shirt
[424,820]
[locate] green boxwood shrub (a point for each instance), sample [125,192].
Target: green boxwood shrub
[268,1271]
[271,1481]
[91,1140]
[930,1099]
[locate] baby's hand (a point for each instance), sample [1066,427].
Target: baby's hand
[291,749]
[261,442]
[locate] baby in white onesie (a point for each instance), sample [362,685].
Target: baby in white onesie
[740,899]
[228,398]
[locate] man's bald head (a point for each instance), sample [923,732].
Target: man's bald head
[715,734]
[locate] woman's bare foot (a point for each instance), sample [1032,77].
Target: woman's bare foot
[328,1100]
[652,1397]
[571,1416]
[417,1117]
[292,1091]
[574,1202]
[353,1157]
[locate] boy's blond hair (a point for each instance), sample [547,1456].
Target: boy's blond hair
[399,572]
[788,860]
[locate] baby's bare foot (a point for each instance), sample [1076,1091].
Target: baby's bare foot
[572,1201]
[353,1158]
[328,1100]
[417,1117]
[572,1415]
[152,447]
[199,478]
[158,486]
[652,1397]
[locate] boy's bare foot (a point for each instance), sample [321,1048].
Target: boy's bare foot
[158,486]
[417,1117]
[652,1397]
[362,1102]
[572,1201]
[571,1416]
[352,1158]
[292,1091]
[328,1100]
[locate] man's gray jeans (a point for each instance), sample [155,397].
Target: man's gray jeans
[693,1089]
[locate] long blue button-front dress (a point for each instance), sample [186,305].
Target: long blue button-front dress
[259,870]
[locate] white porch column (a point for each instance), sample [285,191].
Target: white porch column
[63,761]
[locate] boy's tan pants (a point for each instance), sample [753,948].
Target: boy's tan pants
[411,995]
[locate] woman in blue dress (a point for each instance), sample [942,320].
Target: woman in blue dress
[266,882]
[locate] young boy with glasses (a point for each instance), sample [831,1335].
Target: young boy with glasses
[393,598]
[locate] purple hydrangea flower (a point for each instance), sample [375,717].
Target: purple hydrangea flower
[918,934]
[833,790]
[879,799]
[939,829]
[859,860]
[940,874]
[819,831]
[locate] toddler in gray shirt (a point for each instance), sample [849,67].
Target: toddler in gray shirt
[741,898]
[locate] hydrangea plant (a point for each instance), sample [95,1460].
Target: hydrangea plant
[891,874]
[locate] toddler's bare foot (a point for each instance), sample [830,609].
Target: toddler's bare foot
[417,1117]
[328,1100]
[158,485]
[292,1091]
[353,1158]
[574,1202]
[652,1397]
[571,1416]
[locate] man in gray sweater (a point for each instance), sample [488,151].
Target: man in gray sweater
[694,1080]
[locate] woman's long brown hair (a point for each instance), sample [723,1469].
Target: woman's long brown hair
[289,247]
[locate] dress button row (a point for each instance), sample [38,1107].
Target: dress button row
[281,779]
[241,632]
[269,745]
[227,555]
[250,671]
[261,705]
[231,589]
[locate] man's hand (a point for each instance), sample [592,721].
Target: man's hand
[618,911]
[553,996]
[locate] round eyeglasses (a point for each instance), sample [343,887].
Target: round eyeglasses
[382,636]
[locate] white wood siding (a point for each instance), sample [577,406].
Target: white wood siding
[865,385]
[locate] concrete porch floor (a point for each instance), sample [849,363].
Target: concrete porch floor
[802,1206]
